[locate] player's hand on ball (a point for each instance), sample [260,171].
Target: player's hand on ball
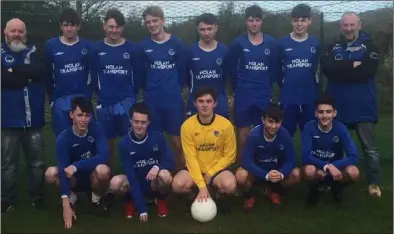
[335,173]
[203,195]
[68,215]
[144,217]
[152,174]
[69,171]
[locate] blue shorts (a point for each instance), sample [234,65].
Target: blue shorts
[248,112]
[82,181]
[114,119]
[166,117]
[294,115]
[220,109]
[60,113]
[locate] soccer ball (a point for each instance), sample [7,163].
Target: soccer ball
[204,211]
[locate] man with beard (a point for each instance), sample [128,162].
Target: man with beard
[350,64]
[22,114]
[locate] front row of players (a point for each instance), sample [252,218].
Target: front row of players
[208,140]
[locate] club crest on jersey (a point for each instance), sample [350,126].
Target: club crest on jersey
[126,55]
[281,147]
[313,50]
[171,52]
[216,133]
[9,59]
[338,57]
[155,148]
[219,61]
[84,51]
[90,139]
[335,139]
[267,51]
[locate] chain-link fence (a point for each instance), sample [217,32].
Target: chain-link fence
[41,18]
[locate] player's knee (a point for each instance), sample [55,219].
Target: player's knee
[241,176]
[103,172]
[309,172]
[229,185]
[165,177]
[352,172]
[118,184]
[51,175]
[180,185]
[296,175]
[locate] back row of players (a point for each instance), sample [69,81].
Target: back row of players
[116,69]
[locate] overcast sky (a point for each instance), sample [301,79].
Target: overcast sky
[333,9]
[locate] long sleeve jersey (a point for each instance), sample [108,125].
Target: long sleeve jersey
[299,61]
[206,67]
[118,71]
[253,68]
[260,156]
[165,66]
[68,68]
[84,152]
[208,148]
[333,147]
[137,158]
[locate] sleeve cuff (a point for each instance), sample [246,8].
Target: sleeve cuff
[281,176]
[266,177]
[145,213]
[201,185]
[157,167]
[64,196]
[74,168]
[325,168]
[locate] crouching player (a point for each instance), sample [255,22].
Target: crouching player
[209,147]
[268,158]
[81,157]
[328,153]
[146,160]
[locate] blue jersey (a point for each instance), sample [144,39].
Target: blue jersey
[256,66]
[137,158]
[119,71]
[334,147]
[299,62]
[84,152]
[165,66]
[206,67]
[68,68]
[261,156]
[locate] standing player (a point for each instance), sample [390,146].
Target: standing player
[81,155]
[165,62]
[328,152]
[209,146]
[67,66]
[268,158]
[298,56]
[146,161]
[119,69]
[254,56]
[204,62]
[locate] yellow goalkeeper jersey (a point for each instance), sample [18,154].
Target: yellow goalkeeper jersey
[207,148]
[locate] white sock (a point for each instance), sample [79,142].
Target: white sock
[95,198]
[73,197]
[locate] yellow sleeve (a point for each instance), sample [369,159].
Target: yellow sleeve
[190,154]
[229,151]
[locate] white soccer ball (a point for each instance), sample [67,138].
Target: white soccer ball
[204,211]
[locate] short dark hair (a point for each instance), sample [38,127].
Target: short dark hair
[324,100]
[155,11]
[301,11]
[204,91]
[116,15]
[139,107]
[206,18]
[273,111]
[254,11]
[83,103]
[69,15]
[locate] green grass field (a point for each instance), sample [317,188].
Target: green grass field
[358,214]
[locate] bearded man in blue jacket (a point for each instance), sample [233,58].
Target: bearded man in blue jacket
[350,65]
[22,115]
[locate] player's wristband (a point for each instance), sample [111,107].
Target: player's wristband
[281,176]
[64,196]
[266,177]
[74,168]
[325,168]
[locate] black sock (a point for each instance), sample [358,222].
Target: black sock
[127,198]
[253,191]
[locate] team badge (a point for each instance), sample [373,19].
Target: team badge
[9,59]
[335,139]
[171,52]
[219,61]
[126,55]
[90,139]
[216,133]
[84,51]
[313,50]
[267,52]
[374,55]
[281,147]
[338,57]
[155,148]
